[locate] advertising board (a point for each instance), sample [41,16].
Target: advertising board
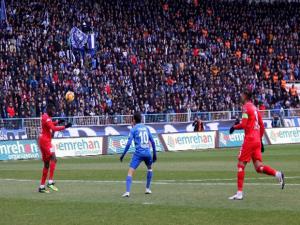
[190,141]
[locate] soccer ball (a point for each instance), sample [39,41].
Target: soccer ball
[70,96]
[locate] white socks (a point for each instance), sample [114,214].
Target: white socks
[278,174]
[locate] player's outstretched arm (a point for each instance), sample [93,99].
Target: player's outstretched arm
[153,146]
[127,146]
[53,127]
[241,125]
[58,122]
[237,121]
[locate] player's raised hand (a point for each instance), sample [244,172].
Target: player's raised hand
[231,130]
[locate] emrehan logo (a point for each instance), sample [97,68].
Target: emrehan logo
[186,140]
[18,148]
[82,145]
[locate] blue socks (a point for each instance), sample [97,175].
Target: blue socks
[128,183]
[149,178]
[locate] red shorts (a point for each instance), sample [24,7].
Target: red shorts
[45,147]
[250,150]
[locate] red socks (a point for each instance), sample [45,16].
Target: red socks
[45,172]
[44,176]
[266,170]
[240,177]
[52,169]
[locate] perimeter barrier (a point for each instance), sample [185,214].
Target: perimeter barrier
[115,144]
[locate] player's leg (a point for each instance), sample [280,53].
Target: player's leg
[46,154]
[243,158]
[134,164]
[261,168]
[148,162]
[42,188]
[53,162]
[240,181]
[241,175]
[129,182]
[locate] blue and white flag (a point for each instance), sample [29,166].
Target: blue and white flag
[77,38]
[3,11]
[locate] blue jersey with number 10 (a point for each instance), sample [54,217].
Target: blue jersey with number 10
[142,138]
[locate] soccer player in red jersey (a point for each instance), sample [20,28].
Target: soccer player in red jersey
[48,156]
[252,147]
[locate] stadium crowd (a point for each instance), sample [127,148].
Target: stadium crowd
[151,55]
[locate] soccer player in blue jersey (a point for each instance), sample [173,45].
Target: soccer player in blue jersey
[141,136]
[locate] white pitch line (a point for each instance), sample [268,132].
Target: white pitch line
[183,182]
[228,179]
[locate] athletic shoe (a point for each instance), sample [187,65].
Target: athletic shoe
[282,180]
[52,187]
[237,196]
[43,190]
[126,195]
[148,191]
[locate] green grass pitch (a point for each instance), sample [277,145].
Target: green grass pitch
[188,188]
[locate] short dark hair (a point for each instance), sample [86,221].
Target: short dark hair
[248,93]
[137,116]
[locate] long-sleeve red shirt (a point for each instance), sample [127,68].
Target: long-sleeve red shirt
[251,123]
[48,127]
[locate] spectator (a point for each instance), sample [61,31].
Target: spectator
[198,125]
[11,111]
[293,91]
[157,57]
[276,122]
[262,107]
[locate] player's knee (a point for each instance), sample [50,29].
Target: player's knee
[240,167]
[259,169]
[131,172]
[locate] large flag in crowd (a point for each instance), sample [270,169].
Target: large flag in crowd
[77,38]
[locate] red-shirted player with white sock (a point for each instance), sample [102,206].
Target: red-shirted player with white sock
[49,158]
[251,149]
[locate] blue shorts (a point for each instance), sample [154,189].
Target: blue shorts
[136,161]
